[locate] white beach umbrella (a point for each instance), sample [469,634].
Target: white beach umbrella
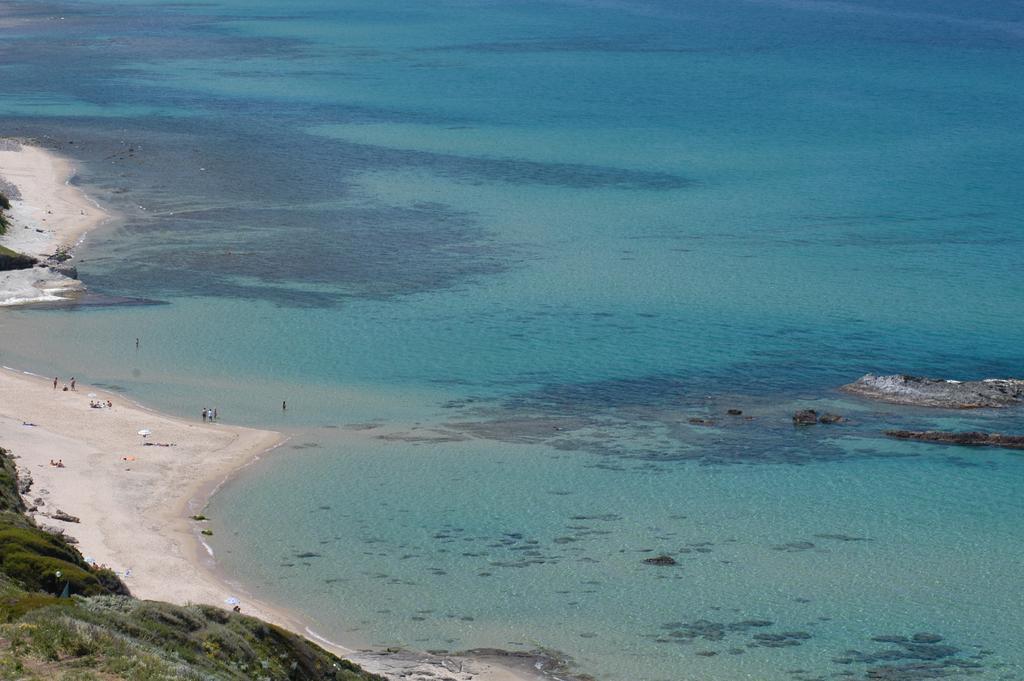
[144,432]
[89,560]
[232,601]
[91,395]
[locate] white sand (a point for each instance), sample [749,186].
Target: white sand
[49,213]
[134,513]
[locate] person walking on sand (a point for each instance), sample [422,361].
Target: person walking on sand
[54,382]
[72,382]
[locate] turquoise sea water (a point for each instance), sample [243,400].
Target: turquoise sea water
[497,255]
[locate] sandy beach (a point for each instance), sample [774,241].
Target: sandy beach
[134,497]
[131,494]
[47,213]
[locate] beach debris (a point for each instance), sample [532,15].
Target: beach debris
[964,439]
[207,533]
[64,516]
[943,393]
[661,560]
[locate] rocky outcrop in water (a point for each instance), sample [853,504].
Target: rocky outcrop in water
[944,394]
[808,417]
[805,417]
[966,439]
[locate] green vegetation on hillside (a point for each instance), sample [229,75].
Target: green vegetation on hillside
[100,633]
[11,260]
[5,204]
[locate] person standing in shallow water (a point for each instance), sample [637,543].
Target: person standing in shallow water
[284,405]
[72,382]
[204,414]
[54,382]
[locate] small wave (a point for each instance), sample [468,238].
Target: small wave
[16,300]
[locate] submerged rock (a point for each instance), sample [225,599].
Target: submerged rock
[830,418]
[966,439]
[945,394]
[926,637]
[660,560]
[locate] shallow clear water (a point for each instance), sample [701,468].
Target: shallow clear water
[496,255]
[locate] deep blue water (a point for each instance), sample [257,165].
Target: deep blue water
[497,254]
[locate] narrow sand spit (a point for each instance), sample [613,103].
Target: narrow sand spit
[47,213]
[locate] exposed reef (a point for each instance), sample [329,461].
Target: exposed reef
[944,394]
[967,439]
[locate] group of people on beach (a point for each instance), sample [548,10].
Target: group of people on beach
[100,404]
[59,463]
[209,414]
[56,381]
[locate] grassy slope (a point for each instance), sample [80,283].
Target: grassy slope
[4,205]
[104,635]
